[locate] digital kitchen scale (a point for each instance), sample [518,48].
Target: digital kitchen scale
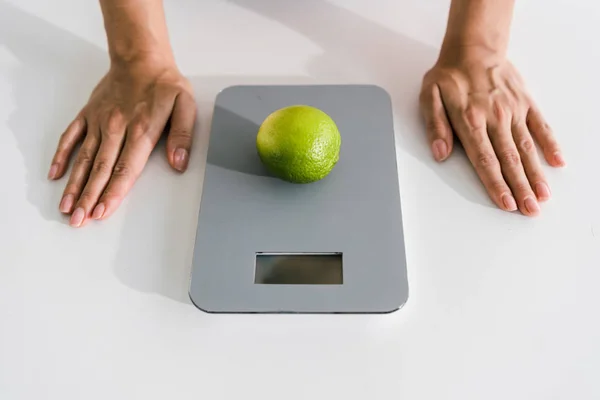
[264,245]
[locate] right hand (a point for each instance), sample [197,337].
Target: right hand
[119,127]
[482,99]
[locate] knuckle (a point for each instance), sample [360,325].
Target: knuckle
[436,127]
[115,116]
[139,129]
[76,125]
[114,122]
[486,160]
[72,188]
[67,134]
[179,133]
[122,170]
[536,177]
[108,195]
[63,146]
[472,117]
[63,138]
[101,167]
[140,134]
[510,158]
[544,129]
[553,147]
[143,107]
[84,158]
[59,158]
[539,123]
[498,110]
[523,187]
[527,146]
[498,187]
[86,196]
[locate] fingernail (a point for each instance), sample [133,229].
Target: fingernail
[542,190]
[180,158]
[558,158]
[77,217]
[53,171]
[531,205]
[98,211]
[66,204]
[509,202]
[440,149]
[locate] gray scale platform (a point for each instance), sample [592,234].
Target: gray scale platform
[268,246]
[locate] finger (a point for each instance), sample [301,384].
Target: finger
[66,144]
[179,141]
[128,168]
[473,134]
[531,161]
[542,133]
[470,126]
[112,138]
[81,170]
[439,131]
[141,137]
[512,167]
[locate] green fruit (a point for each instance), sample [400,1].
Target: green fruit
[299,144]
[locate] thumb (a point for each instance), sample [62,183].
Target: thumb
[439,130]
[181,131]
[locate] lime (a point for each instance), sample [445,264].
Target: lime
[299,143]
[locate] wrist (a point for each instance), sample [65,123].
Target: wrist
[136,32]
[455,52]
[477,29]
[132,58]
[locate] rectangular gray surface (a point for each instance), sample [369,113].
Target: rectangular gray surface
[355,210]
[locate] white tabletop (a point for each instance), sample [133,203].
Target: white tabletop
[501,306]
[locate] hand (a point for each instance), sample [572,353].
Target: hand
[119,127]
[482,99]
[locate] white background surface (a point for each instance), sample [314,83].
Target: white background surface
[501,306]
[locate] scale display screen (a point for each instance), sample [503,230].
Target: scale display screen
[299,269]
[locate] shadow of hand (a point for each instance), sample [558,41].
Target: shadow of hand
[59,70]
[356,49]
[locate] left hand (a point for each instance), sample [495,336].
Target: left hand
[118,129]
[483,100]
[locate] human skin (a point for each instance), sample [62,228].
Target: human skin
[142,93]
[472,92]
